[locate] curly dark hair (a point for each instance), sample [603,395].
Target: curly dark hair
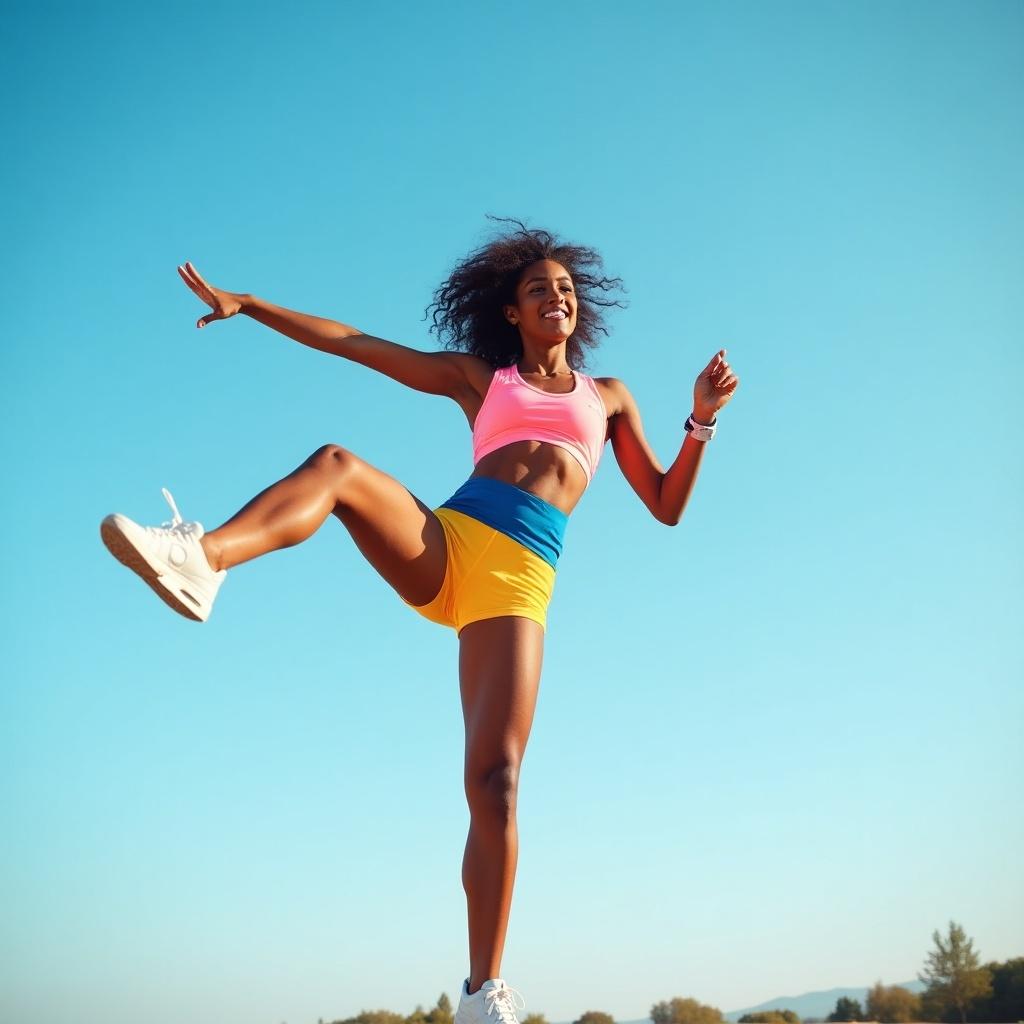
[467,308]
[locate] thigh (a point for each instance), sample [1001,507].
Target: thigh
[396,533]
[499,675]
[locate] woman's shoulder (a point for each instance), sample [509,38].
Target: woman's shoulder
[477,371]
[613,392]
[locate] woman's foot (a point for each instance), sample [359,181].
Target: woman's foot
[169,558]
[493,1003]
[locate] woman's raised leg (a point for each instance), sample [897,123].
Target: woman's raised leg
[499,672]
[398,535]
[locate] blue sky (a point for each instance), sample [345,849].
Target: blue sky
[775,747]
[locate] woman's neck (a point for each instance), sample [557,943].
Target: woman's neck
[550,367]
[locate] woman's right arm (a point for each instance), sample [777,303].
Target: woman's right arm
[435,373]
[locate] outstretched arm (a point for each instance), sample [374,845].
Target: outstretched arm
[436,373]
[667,493]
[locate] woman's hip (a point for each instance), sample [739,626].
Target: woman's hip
[503,544]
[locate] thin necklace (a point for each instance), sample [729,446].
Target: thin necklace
[546,376]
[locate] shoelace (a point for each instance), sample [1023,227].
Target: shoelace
[504,1001]
[174,508]
[176,524]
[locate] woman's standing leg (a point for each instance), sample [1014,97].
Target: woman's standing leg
[499,673]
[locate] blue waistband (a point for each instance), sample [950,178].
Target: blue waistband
[524,517]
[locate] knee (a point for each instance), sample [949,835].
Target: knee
[492,792]
[332,458]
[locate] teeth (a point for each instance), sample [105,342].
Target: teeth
[554,316]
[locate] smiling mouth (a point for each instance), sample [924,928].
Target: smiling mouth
[559,315]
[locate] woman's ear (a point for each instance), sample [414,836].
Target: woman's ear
[511,314]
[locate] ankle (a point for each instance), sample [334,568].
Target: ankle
[212,551]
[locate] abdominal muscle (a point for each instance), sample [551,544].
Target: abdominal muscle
[542,469]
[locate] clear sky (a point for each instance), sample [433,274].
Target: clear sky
[775,746]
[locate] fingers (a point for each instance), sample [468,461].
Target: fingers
[716,359]
[191,281]
[188,280]
[186,276]
[718,379]
[199,286]
[191,277]
[718,369]
[198,277]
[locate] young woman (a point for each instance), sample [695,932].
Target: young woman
[517,316]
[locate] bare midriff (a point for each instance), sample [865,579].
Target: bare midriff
[542,469]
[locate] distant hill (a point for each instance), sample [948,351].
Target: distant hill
[815,1004]
[810,1004]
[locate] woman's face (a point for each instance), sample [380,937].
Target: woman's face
[545,306]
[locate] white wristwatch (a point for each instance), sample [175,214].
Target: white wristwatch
[698,431]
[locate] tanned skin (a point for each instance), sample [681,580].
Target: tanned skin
[500,659]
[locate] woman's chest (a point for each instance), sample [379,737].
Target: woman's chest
[472,398]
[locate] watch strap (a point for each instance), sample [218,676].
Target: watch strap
[700,431]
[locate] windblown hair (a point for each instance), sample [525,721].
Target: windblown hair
[468,307]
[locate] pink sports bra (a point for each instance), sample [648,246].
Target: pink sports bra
[514,410]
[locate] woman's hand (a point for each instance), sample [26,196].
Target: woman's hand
[223,304]
[715,386]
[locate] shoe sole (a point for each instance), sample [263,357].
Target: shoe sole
[121,547]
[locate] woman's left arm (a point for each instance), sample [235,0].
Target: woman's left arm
[666,493]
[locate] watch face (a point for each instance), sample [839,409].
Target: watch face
[700,432]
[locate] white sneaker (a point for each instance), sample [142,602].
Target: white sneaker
[169,558]
[493,1003]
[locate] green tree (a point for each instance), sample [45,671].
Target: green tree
[846,1009]
[770,1017]
[535,1018]
[893,1004]
[1006,1002]
[442,1013]
[953,974]
[934,1009]
[594,1017]
[685,1011]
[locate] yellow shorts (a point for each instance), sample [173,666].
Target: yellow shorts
[488,574]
